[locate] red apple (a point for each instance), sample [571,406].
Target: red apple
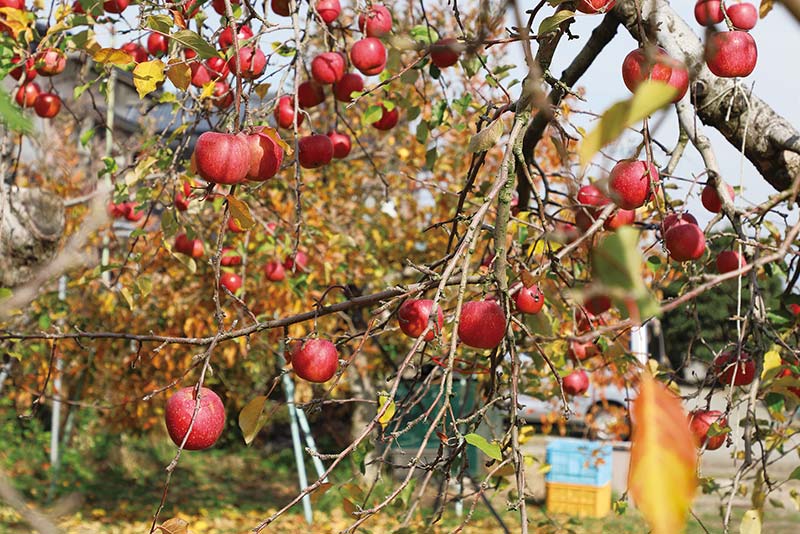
[200,74]
[115,6]
[630,183]
[674,218]
[578,351]
[29,70]
[590,195]
[50,61]
[252,62]
[328,68]
[284,112]
[132,212]
[242,34]
[14,4]
[208,424]
[328,10]
[180,202]
[732,370]
[266,154]
[310,94]
[638,67]
[230,258]
[349,84]
[136,50]
[699,423]
[230,281]
[376,22]
[341,144]
[708,12]
[679,80]
[315,360]
[529,299]
[413,317]
[731,54]
[157,44]
[281,7]
[190,247]
[575,383]
[188,53]
[445,52]
[188,8]
[597,304]
[388,119]
[234,227]
[296,262]
[619,218]
[219,5]
[314,151]
[368,56]
[217,67]
[743,15]
[685,241]
[788,372]
[729,260]
[222,158]
[711,200]
[274,271]
[482,324]
[47,105]
[222,96]
[594,6]
[27,94]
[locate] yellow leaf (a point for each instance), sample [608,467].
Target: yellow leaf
[383,400]
[180,75]
[765,7]
[772,360]
[662,477]
[320,491]
[147,76]
[751,523]
[240,213]
[252,418]
[16,20]
[113,56]
[208,90]
[174,526]
[261,90]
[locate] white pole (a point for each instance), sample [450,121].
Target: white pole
[639,343]
[301,418]
[55,415]
[288,387]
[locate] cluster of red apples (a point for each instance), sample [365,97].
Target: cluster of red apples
[47,62]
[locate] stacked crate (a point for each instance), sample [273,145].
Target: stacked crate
[579,480]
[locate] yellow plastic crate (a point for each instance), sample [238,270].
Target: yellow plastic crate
[578,500]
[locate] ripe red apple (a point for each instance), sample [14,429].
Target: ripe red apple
[699,423]
[230,281]
[157,44]
[217,67]
[575,383]
[726,365]
[630,183]
[136,50]
[242,34]
[133,212]
[597,304]
[413,317]
[219,5]
[788,372]
[29,69]
[445,52]
[679,80]
[281,7]
[266,154]
[482,324]
[590,195]
[14,4]
[222,158]
[188,8]
[234,227]
[115,6]
[188,53]
[296,262]
[26,94]
[315,360]
[328,68]
[349,84]
[743,15]
[594,6]
[388,119]
[230,258]
[208,424]
[341,144]
[529,299]
[673,218]
[729,260]
[222,96]
[190,247]
[314,151]
[376,22]
[368,56]
[685,241]
[47,105]
[274,271]
[708,12]
[328,10]
[252,62]
[578,351]
[284,112]
[200,74]
[637,67]
[711,200]
[731,54]
[50,61]
[310,94]
[619,218]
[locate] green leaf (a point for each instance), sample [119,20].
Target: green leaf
[649,97]
[492,450]
[553,22]
[424,34]
[795,474]
[488,137]
[195,42]
[12,116]
[422,132]
[169,223]
[372,114]
[45,321]
[159,23]
[5,292]
[252,418]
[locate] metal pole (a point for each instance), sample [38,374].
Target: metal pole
[55,416]
[288,387]
[301,417]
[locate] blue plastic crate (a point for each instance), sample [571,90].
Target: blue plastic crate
[578,461]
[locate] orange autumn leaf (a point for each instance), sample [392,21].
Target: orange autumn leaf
[662,477]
